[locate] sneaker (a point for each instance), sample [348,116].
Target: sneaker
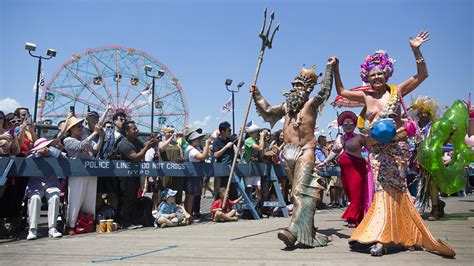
[163,225]
[54,233]
[132,226]
[174,220]
[139,226]
[31,234]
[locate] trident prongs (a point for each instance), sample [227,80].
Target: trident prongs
[273,35]
[264,21]
[266,39]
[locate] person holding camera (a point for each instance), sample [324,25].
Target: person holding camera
[224,149]
[153,154]
[82,189]
[172,152]
[253,149]
[131,149]
[109,185]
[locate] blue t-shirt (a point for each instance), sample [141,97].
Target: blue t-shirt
[319,154]
[164,210]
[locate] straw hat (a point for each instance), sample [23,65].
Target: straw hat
[41,143]
[72,121]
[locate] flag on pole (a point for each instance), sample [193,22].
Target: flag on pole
[147,92]
[227,107]
[333,124]
[41,83]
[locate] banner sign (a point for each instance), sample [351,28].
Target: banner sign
[72,167]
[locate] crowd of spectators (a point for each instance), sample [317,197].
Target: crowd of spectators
[174,200]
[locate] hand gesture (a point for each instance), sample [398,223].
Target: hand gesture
[333,61]
[150,143]
[98,129]
[70,114]
[6,136]
[229,145]
[422,37]
[320,166]
[208,141]
[253,88]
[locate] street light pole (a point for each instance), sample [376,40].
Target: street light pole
[228,82]
[37,88]
[152,103]
[31,47]
[160,75]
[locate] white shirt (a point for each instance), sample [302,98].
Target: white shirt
[190,154]
[150,155]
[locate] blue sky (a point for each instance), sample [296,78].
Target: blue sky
[205,42]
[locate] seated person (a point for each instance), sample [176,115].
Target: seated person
[170,214]
[39,187]
[220,214]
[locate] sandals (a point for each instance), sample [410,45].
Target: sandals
[352,225]
[377,251]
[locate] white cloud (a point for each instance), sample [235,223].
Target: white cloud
[201,123]
[8,105]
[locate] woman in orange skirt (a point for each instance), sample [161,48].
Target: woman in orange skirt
[392,217]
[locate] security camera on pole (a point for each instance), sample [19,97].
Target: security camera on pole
[31,47]
[228,82]
[159,75]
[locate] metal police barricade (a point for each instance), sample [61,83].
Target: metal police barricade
[328,172]
[18,167]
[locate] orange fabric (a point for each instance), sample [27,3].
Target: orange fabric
[392,218]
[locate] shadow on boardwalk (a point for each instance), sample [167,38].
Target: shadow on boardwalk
[243,242]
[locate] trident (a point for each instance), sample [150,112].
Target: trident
[267,41]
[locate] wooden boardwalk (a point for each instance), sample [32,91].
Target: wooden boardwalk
[244,242]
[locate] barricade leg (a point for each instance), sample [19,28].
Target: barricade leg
[3,178]
[279,194]
[248,202]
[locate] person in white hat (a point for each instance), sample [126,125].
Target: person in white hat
[82,189]
[253,148]
[194,153]
[43,186]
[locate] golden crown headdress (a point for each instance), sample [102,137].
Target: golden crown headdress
[307,77]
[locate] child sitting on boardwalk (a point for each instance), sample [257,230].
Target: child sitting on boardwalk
[227,214]
[170,214]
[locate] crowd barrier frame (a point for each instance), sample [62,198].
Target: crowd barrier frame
[25,167]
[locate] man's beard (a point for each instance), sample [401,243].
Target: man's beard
[295,100]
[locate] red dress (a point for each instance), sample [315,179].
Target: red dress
[354,178]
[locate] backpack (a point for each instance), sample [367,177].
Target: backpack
[145,206]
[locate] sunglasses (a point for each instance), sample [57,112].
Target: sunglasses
[108,127]
[15,121]
[347,124]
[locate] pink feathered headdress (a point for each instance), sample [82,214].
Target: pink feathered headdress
[378,59]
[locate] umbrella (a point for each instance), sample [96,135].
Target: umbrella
[343,102]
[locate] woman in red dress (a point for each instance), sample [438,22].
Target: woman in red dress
[353,167]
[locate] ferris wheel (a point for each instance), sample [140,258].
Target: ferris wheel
[114,76]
